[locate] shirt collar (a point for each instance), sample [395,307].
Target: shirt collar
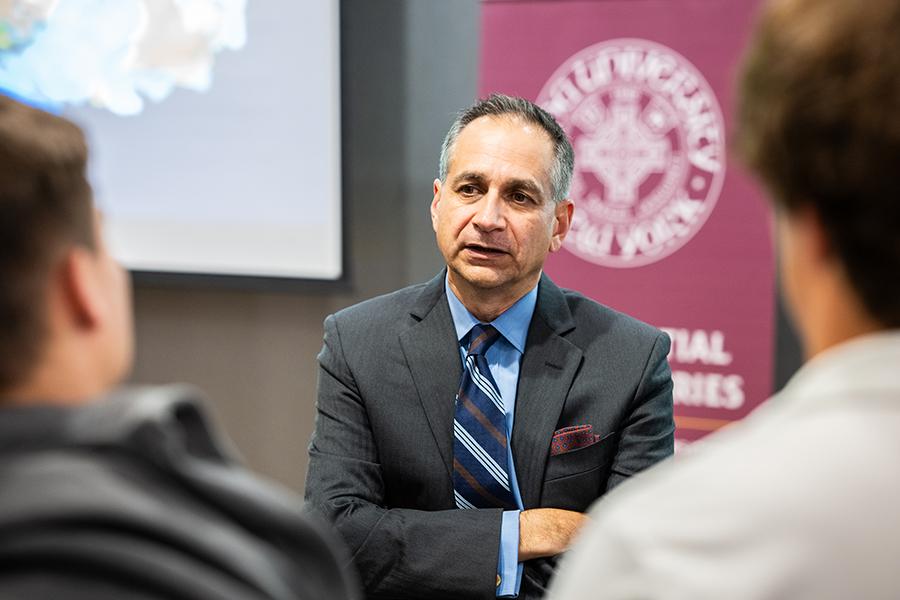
[512,324]
[865,365]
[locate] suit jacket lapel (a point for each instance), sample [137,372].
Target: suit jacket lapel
[548,368]
[431,350]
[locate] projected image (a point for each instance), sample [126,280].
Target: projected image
[127,50]
[214,125]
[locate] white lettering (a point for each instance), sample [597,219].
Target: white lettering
[708,390]
[698,346]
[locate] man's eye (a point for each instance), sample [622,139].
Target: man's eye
[468,190]
[520,198]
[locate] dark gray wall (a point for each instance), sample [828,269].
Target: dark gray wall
[408,66]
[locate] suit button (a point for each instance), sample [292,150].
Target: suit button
[498,579]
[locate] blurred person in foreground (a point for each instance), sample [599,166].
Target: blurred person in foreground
[132,495]
[799,500]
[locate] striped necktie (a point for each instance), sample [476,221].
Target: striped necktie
[480,466]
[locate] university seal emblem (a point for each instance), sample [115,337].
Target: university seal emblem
[649,143]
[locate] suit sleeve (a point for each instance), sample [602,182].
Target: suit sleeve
[398,552]
[648,435]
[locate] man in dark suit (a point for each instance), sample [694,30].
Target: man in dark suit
[128,497]
[464,424]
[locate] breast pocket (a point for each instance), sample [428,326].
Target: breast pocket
[573,480]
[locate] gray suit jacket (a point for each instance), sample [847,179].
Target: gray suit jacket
[381,456]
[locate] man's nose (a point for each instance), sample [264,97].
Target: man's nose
[490,212]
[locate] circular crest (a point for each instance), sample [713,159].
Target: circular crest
[649,142]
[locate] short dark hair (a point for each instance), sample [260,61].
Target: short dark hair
[819,120]
[45,206]
[498,105]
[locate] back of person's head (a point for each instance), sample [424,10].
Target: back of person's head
[819,120]
[46,210]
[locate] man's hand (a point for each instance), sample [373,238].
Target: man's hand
[547,531]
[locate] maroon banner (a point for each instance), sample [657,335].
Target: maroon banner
[667,227]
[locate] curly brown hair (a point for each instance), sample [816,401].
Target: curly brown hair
[819,121]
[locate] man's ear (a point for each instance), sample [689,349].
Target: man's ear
[809,236]
[81,289]
[434,203]
[821,245]
[562,222]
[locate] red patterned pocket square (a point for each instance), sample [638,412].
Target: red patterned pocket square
[572,438]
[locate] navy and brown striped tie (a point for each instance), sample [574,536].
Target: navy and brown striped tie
[480,465]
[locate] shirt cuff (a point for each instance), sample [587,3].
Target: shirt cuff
[509,571]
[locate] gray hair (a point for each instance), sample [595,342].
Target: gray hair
[499,104]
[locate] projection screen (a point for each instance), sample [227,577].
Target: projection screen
[240,179]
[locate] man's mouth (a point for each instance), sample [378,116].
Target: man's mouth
[484,250]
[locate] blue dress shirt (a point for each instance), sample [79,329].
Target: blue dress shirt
[504,358]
